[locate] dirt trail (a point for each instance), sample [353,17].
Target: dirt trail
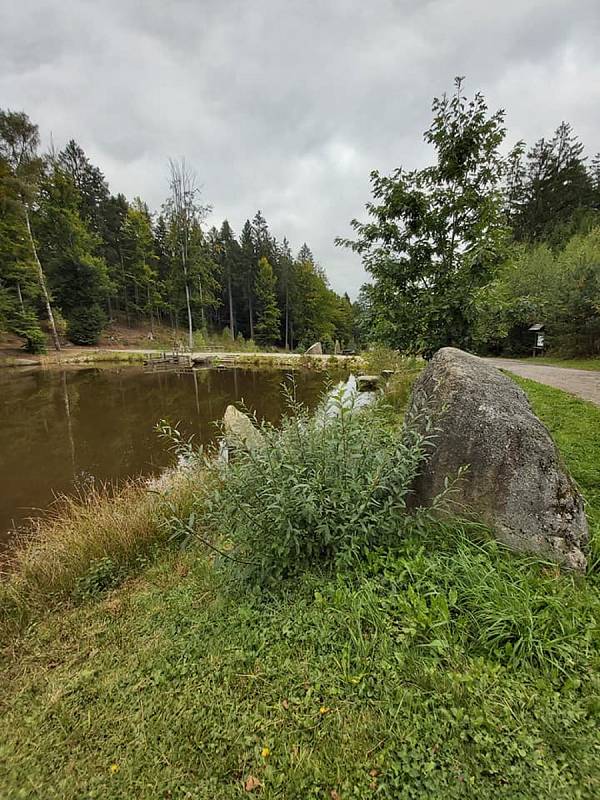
[579,382]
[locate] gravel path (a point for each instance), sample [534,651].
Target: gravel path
[580,382]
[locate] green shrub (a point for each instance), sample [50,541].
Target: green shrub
[379,357]
[27,326]
[316,494]
[85,325]
[101,576]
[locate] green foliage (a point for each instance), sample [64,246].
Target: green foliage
[575,426]
[102,250]
[437,233]
[550,192]
[67,247]
[536,284]
[85,325]
[267,312]
[101,576]
[27,326]
[369,683]
[316,494]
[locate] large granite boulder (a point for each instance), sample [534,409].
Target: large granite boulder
[515,482]
[239,430]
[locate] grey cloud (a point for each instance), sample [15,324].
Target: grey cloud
[286,107]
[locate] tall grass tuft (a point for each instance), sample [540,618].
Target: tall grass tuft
[89,539]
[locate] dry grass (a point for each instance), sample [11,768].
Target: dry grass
[50,559]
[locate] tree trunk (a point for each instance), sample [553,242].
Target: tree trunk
[150,309]
[125,289]
[20,296]
[189,315]
[202,318]
[42,279]
[287,316]
[230,295]
[250,314]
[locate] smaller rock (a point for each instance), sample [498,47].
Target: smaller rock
[315,350]
[239,431]
[337,348]
[368,383]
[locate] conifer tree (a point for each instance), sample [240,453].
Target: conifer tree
[267,311]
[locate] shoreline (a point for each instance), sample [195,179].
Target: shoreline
[137,356]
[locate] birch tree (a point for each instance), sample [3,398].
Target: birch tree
[19,140]
[185,214]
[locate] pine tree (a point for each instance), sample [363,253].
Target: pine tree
[227,254]
[91,186]
[267,311]
[248,264]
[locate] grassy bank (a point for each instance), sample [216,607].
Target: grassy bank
[590,364]
[437,666]
[575,427]
[92,356]
[235,358]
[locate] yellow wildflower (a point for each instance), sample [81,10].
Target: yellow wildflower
[324,710]
[114,768]
[265,752]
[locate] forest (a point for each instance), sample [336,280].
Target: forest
[469,251]
[74,257]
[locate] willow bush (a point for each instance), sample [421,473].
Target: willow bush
[321,491]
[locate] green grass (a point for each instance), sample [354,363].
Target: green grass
[439,668]
[575,427]
[591,364]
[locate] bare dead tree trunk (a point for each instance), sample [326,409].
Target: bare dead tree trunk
[42,280]
[186,218]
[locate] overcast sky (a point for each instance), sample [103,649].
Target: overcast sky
[286,105]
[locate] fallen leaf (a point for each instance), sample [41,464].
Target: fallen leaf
[335,795]
[251,783]
[285,704]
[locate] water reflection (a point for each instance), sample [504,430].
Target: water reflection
[59,429]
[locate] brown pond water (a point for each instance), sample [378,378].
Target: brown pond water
[61,429]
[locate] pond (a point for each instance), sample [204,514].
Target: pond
[61,429]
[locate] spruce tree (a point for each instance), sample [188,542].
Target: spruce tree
[267,312]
